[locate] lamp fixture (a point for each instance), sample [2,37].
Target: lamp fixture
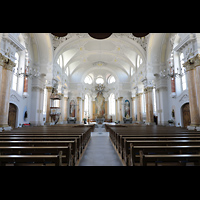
[28,72]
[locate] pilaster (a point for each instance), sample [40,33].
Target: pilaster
[78,109]
[5,83]
[133,108]
[149,105]
[193,73]
[139,107]
[49,90]
[120,108]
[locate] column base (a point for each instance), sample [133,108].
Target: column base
[194,127]
[9,128]
[198,128]
[191,127]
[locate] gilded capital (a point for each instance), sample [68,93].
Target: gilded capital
[192,63]
[49,89]
[138,94]
[6,63]
[120,98]
[148,89]
[132,98]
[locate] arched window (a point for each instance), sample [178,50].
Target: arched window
[99,80]
[139,61]
[67,71]
[88,79]
[182,69]
[112,104]
[14,80]
[60,61]
[111,79]
[131,71]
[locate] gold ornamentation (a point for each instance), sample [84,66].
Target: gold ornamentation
[6,63]
[192,63]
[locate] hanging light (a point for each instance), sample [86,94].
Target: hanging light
[140,34]
[59,34]
[100,36]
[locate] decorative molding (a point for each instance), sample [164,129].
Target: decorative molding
[99,64]
[192,63]
[188,39]
[138,94]
[184,98]
[142,42]
[6,63]
[14,98]
[148,89]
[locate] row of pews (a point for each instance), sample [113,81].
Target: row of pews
[59,145]
[141,145]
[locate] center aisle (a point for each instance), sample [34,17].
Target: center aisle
[100,151]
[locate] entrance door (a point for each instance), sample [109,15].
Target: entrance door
[12,115]
[186,115]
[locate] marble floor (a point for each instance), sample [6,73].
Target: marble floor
[100,151]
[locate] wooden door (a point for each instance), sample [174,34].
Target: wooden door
[186,115]
[12,115]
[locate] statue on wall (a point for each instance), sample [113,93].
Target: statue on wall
[127,109]
[72,108]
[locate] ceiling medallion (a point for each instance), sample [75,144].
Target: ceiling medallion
[140,34]
[99,64]
[100,36]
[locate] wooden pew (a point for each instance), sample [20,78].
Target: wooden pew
[63,151]
[172,158]
[85,132]
[44,143]
[121,137]
[48,136]
[137,152]
[115,132]
[124,139]
[16,159]
[77,139]
[155,143]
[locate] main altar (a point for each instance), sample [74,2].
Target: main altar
[100,104]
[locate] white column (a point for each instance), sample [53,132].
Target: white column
[49,90]
[36,115]
[41,122]
[35,109]
[164,106]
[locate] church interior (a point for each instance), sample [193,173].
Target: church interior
[141,88]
